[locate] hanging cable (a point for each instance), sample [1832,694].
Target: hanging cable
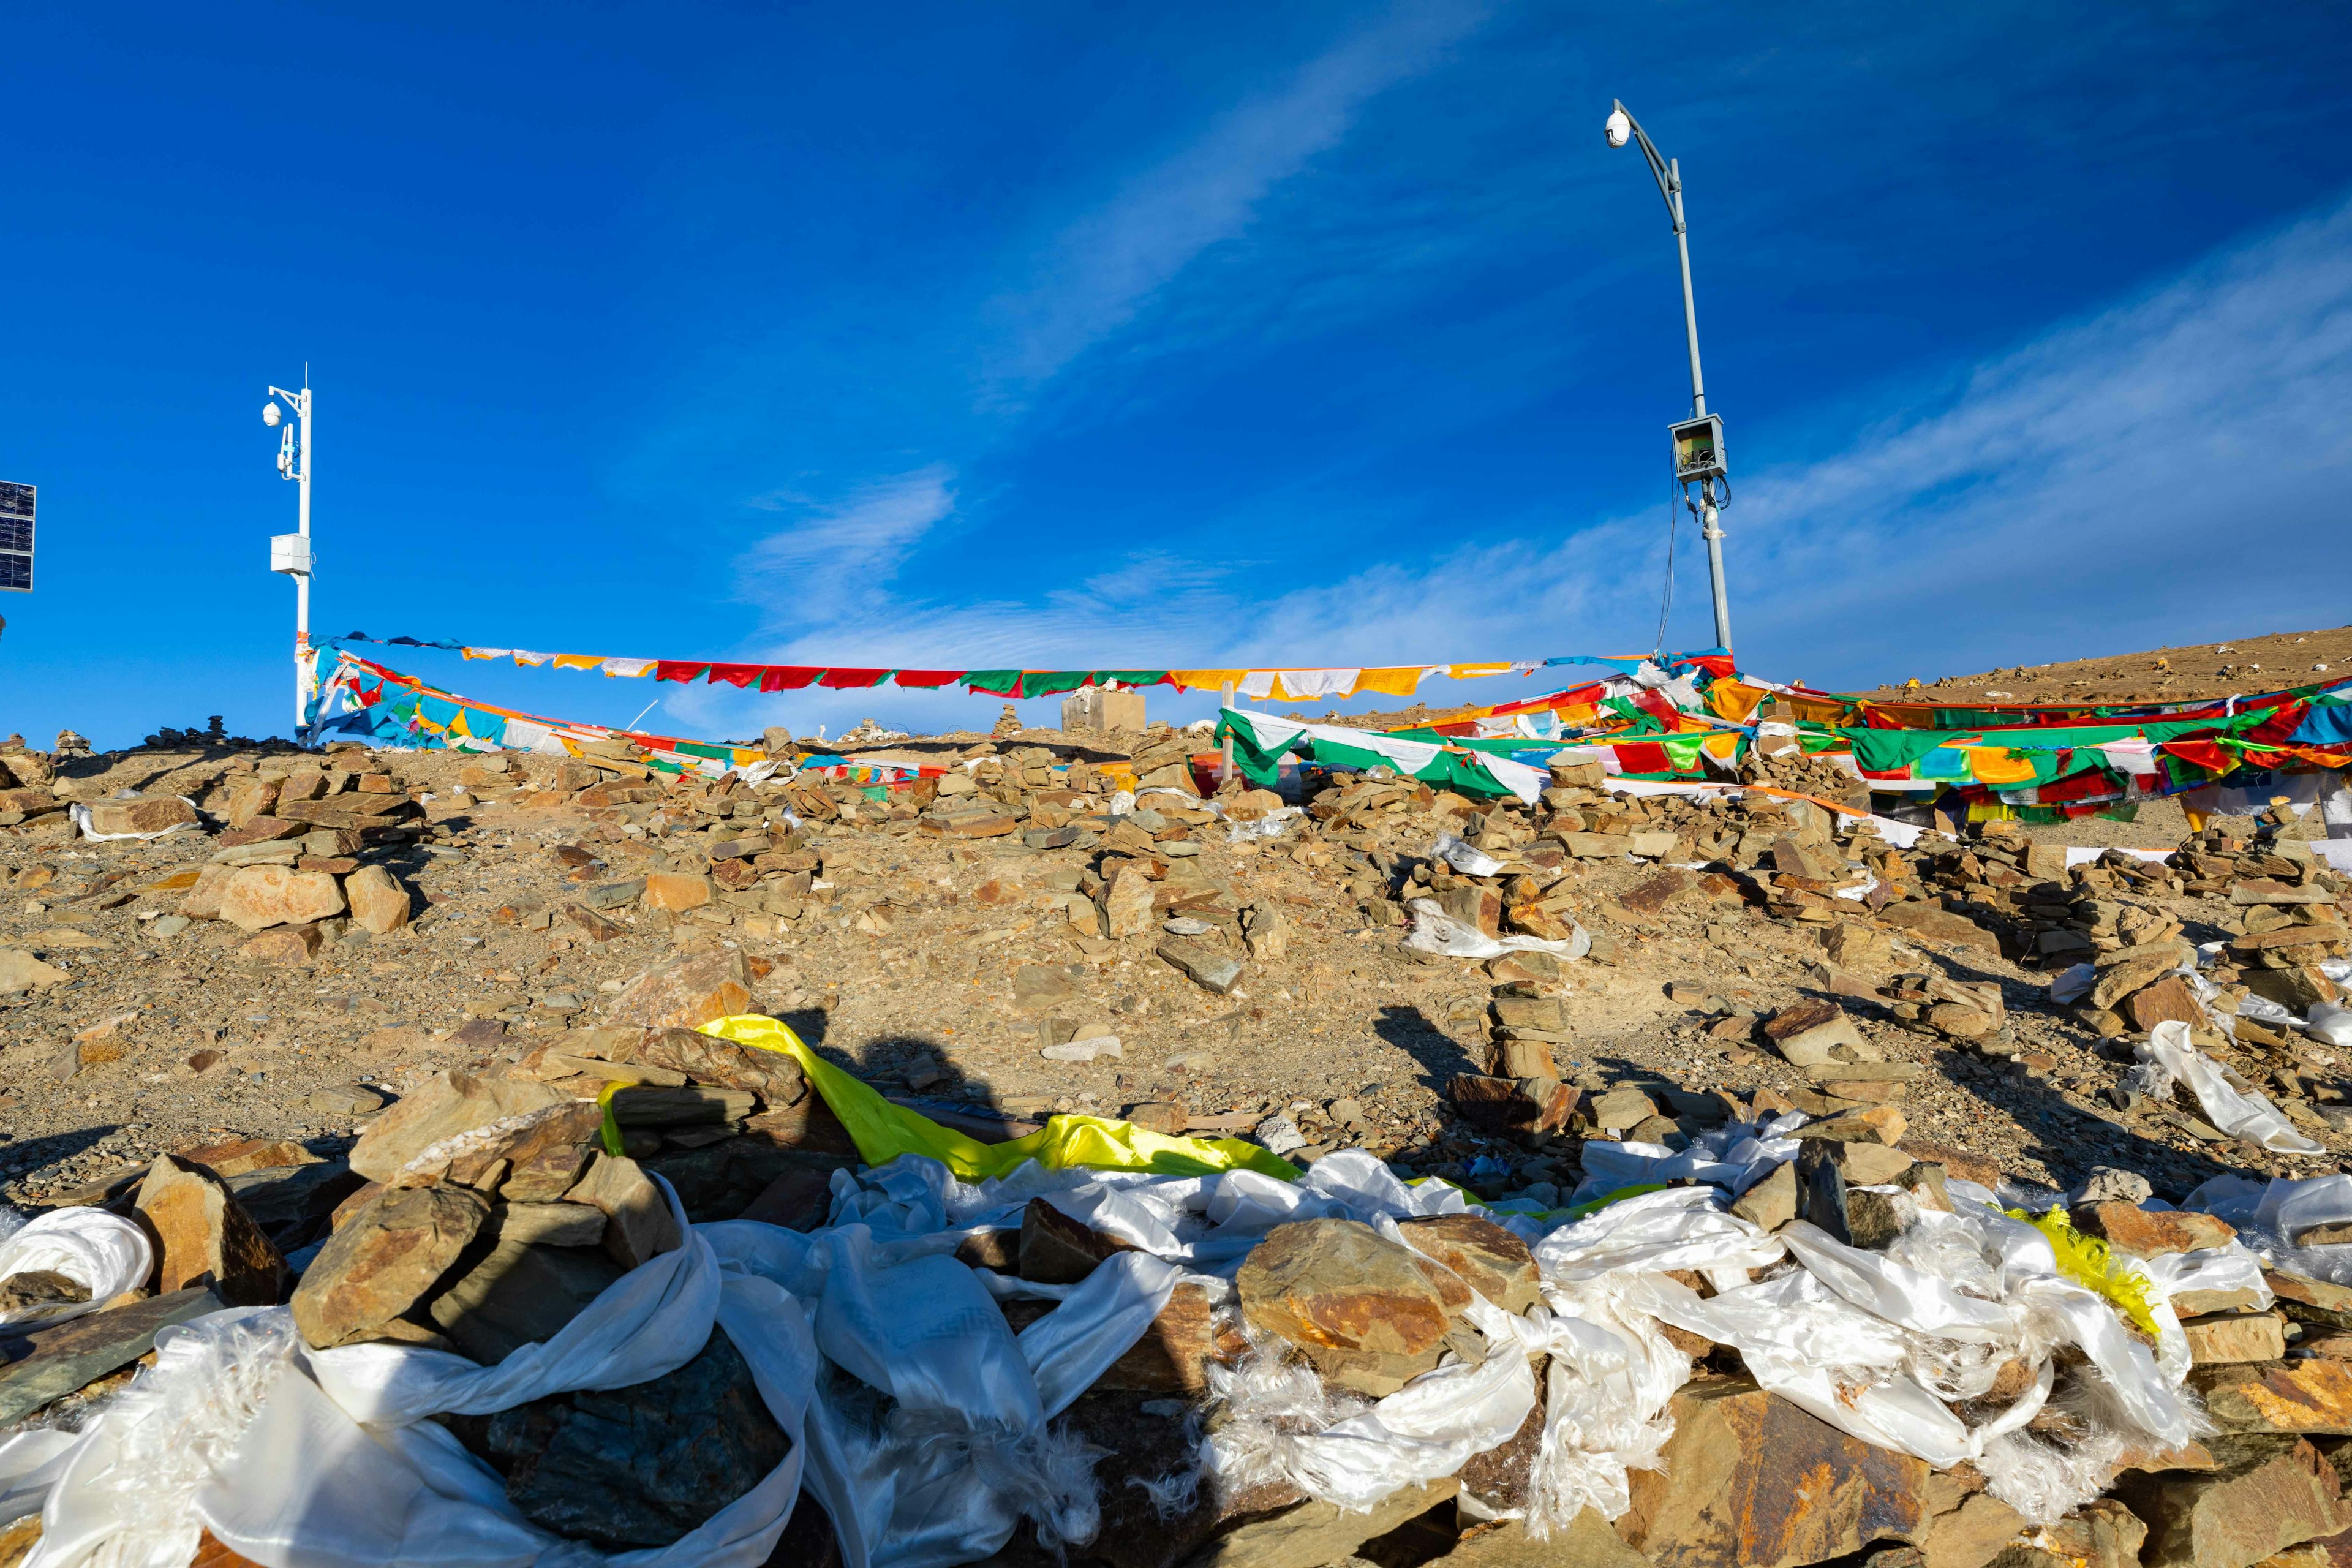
[1666,600]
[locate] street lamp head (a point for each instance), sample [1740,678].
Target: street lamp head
[1618,128]
[270,414]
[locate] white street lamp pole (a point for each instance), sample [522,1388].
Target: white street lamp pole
[1699,441]
[290,553]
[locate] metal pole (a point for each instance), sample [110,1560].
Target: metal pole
[1669,174]
[1690,306]
[302,663]
[1225,769]
[1710,527]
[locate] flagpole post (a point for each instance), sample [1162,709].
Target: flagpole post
[1225,768]
[290,553]
[1699,440]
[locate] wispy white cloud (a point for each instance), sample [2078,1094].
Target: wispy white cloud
[2178,460]
[836,555]
[1098,271]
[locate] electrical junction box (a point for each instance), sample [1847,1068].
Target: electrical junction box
[1698,449]
[290,553]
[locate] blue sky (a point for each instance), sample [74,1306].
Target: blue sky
[1113,334]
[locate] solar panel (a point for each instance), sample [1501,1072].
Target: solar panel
[16,537]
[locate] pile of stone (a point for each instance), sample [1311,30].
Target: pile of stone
[25,781]
[289,868]
[483,1212]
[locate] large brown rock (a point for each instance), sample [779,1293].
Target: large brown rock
[1126,903]
[775,1078]
[1055,1249]
[1750,1480]
[532,1158]
[442,1107]
[2227,1337]
[259,897]
[2168,1000]
[379,903]
[204,1237]
[1481,1254]
[249,799]
[2270,1493]
[2314,1302]
[640,1465]
[685,991]
[638,1225]
[2103,1533]
[677,890]
[520,1294]
[1967,1534]
[202,901]
[1173,1356]
[1541,1104]
[142,814]
[1930,923]
[1356,1303]
[2127,973]
[20,971]
[288,945]
[2147,1233]
[2313,1396]
[384,1260]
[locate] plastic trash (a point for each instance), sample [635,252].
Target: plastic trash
[928,1429]
[2075,984]
[105,1255]
[1464,857]
[1434,930]
[2329,1023]
[1273,824]
[2262,1010]
[2270,1215]
[2245,1113]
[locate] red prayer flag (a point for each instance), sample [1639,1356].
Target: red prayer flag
[672,669]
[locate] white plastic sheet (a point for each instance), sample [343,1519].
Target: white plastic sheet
[1464,856]
[1434,930]
[1614,1371]
[928,1429]
[1877,1343]
[2272,1218]
[2243,1113]
[105,1255]
[2329,1023]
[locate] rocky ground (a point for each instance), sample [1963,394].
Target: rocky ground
[944,962]
[2271,661]
[327,961]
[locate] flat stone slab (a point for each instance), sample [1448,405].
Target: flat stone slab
[50,1364]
